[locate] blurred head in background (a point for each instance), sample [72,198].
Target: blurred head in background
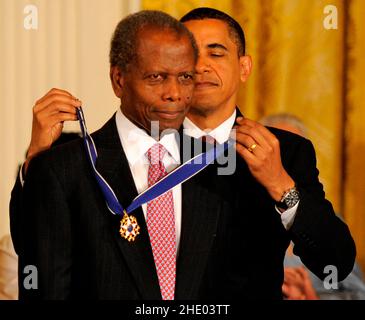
[287,122]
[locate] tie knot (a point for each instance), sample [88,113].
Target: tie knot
[156,153]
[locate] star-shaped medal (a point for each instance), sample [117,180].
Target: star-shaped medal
[129,228]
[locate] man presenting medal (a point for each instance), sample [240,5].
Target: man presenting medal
[222,223]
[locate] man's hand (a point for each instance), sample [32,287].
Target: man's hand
[49,113]
[298,285]
[261,151]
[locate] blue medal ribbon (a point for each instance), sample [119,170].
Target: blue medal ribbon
[175,177]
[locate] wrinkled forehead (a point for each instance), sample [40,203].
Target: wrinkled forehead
[164,47]
[151,34]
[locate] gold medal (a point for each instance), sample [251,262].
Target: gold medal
[129,228]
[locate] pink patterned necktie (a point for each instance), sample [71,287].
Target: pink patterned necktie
[161,225]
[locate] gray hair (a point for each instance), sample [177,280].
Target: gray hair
[294,121]
[124,43]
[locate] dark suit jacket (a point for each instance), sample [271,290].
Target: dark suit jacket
[232,240]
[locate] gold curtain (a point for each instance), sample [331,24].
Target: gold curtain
[316,73]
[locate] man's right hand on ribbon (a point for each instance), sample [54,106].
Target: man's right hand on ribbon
[49,113]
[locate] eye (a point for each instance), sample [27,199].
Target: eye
[216,54]
[185,77]
[155,77]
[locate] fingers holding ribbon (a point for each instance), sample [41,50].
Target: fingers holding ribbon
[261,151]
[49,114]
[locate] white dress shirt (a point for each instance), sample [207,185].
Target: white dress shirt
[221,134]
[136,143]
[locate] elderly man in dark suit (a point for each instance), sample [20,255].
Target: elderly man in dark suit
[76,244]
[226,222]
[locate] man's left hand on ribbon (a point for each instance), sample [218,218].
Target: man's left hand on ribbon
[49,114]
[261,151]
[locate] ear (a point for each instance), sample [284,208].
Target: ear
[117,80]
[245,67]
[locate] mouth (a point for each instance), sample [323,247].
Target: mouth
[205,85]
[169,115]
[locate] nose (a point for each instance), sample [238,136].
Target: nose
[172,90]
[202,65]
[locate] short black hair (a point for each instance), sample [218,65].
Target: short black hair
[235,30]
[123,49]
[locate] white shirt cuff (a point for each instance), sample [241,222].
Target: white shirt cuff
[21,175]
[287,217]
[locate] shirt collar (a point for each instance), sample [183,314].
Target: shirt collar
[136,141]
[220,133]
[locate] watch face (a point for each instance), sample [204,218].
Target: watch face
[292,198]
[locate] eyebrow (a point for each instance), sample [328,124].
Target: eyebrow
[217,46]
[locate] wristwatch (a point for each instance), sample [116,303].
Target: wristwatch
[289,199]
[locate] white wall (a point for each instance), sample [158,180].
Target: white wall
[69,50]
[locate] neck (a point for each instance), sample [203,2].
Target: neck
[209,120]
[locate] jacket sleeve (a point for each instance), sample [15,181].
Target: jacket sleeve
[16,210]
[45,227]
[320,238]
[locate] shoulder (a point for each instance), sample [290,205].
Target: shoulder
[69,160]
[59,165]
[295,150]
[287,137]
[290,141]
[67,152]
[74,151]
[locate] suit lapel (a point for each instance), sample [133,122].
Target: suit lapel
[238,113]
[113,166]
[200,213]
